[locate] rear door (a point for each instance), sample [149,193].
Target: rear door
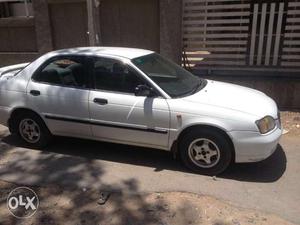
[120,116]
[59,92]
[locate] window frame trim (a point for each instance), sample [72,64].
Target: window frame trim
[93,83]
[52,59]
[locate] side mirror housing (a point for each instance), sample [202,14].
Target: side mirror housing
[144,90]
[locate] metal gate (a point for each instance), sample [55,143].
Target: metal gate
[242,34]
[130,23]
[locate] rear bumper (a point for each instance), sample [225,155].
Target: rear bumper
[253,146]
[4,115]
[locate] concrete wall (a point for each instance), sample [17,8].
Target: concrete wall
[42,26]
[170,29]
[17,35]
[18,40]
[8,58]
[56,24]
[150,24]
[284,88]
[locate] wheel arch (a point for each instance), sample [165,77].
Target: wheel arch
[17,111]
[188,129]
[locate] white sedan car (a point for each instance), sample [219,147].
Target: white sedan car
[137,97]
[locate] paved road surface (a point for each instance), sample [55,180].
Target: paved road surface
[272,185]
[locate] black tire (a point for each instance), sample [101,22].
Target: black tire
[44,134]
[222,160]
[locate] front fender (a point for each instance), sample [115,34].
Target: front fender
[204,121]
[180,122]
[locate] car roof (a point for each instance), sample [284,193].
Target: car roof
[129,53]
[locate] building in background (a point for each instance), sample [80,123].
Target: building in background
[251,42]
[13,8]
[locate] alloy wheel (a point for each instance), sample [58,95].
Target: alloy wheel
[30,130]
[204,153]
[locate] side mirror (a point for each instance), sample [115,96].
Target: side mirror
[144,90]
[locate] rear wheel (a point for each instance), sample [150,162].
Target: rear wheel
[205,151]
[31,129]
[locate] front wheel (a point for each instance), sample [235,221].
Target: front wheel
[205,151]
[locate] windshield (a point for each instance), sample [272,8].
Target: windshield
[170,77]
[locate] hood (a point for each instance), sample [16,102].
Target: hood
[235,97]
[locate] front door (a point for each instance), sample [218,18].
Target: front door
[120,116]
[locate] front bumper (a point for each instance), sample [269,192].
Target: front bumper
[252,146]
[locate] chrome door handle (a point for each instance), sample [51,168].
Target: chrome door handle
[100,101]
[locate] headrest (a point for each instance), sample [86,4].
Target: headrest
[118,68]
[75,66]
[50,75]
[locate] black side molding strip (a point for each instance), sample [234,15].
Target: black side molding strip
[105,124]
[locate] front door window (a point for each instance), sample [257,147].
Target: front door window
[113,75]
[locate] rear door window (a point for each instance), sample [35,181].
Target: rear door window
[65,71]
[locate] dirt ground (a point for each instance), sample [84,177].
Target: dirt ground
[291,122]
[71,206]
